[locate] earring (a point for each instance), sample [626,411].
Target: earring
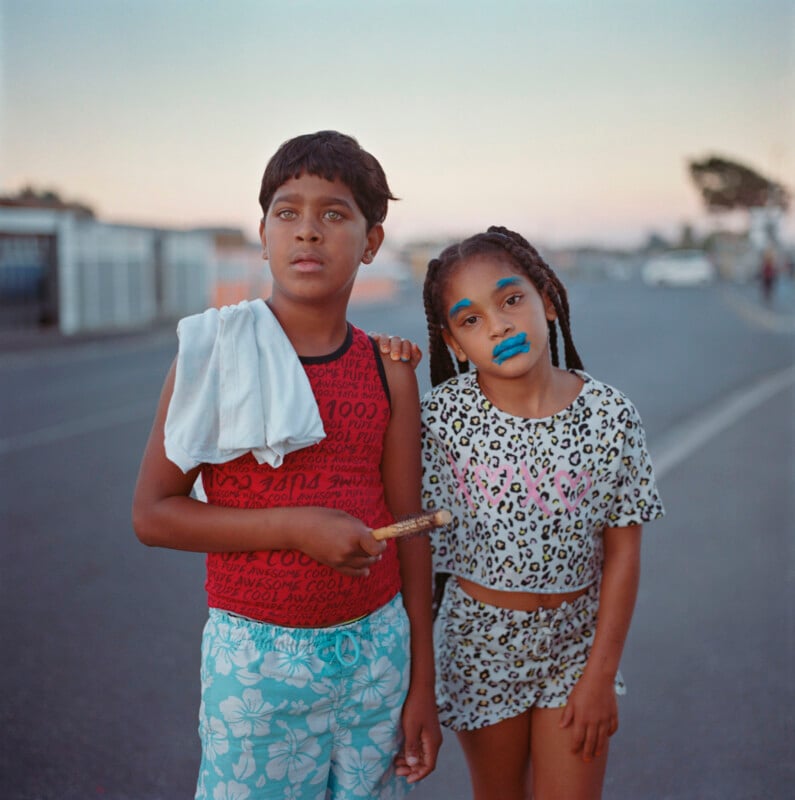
[368,256]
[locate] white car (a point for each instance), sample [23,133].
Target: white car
[679,268]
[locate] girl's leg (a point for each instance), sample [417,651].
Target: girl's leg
[498,757]
[559,774]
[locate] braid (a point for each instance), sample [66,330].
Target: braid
[442,365]
[526,258]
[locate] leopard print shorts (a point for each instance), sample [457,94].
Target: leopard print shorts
[496,663]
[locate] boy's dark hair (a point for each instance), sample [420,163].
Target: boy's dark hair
[504,243]
[333,156]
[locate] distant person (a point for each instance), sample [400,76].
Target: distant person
[317,658]
[767,274]
[548,476]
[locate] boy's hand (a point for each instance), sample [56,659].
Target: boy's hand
[338,540]
[422,737]
[592,714]
[398,349]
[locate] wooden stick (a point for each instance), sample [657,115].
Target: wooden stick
[420,523]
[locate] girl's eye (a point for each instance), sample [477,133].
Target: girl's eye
[471,320]
[513,300]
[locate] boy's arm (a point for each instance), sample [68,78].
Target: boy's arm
[401,471]
[164,515]
[592,710]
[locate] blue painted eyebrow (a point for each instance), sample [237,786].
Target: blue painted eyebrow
[461,304]
[503,282]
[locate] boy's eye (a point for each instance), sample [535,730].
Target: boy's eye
[334,215]
[286,213]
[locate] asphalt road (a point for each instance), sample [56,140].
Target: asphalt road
[99,669]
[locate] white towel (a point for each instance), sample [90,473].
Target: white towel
[239,387]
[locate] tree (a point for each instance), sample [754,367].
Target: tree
[728,185]
[29,197]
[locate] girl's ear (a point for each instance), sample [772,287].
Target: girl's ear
[549,309]
[450,341]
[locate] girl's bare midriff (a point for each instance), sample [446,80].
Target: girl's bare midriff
[518,601]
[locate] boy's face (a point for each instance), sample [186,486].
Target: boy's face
[315,236]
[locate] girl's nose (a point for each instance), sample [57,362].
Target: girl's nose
[501,326]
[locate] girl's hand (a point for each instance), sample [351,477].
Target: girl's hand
[338,540]
[398,349]
[422,736]
[592,715]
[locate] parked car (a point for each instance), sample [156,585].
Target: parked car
[679,268]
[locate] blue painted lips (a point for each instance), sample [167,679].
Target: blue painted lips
[510,347]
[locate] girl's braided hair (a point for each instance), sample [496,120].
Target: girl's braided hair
[502,242]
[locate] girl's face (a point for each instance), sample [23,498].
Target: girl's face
[495,317]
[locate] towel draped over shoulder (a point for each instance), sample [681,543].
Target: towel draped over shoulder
[239,387]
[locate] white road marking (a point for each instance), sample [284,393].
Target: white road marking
[683,440]
[758,315]
[668,451]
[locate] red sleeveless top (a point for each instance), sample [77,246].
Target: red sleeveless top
[343,471]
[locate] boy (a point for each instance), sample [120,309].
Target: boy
[306,676]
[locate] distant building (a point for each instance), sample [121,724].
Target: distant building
[59,266]
[62,267]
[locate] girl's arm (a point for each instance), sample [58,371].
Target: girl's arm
[401,471]
[164,515]
[592,710]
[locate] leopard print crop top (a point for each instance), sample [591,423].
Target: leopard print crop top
[531,497]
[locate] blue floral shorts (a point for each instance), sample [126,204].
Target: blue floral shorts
[303,712]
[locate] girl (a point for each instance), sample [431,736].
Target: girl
[547,474]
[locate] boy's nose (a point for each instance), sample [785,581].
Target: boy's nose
[308,232]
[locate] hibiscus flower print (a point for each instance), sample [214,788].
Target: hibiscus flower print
[249,715]
[215,739]
[231,791]
[232,647]
[295,756]
[374,683]
[384,735]
[332,708]
[290,661]
[360,770]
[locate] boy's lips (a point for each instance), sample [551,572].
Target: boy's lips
[306,262]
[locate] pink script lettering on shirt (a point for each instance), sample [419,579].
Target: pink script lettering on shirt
[493,484]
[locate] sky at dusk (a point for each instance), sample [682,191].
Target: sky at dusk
[571,122]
